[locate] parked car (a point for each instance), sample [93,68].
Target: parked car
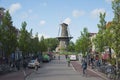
[33,63]
[46,58]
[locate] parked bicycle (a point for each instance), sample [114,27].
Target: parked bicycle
[117,75]
[110,71]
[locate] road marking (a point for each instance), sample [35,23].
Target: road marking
[73,67]
[24,72]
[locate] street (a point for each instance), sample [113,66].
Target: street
[58,70]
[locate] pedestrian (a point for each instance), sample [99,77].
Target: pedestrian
[68,61]
[66,56]
[84,67]
[59,57]
[36,64]
[92,63]
[24,64]
[17,65]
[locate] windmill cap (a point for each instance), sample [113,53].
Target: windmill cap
[64,24]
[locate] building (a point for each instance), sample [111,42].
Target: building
[64,38]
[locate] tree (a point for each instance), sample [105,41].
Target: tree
[71,47]
[100,41]
[8,35]
[116,9]
[116,29]
[35,43]
[83,44]
[24,39]
[42,44]
[31,40]
[51,43]
[108,38]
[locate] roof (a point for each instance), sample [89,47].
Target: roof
[91,34]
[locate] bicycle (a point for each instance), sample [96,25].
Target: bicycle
[117,75]
[111,72]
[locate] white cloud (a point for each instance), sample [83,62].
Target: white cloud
[95,13]
[67,21]
[77,13]
[42,22]
[14,7]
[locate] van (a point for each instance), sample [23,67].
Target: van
[73,57]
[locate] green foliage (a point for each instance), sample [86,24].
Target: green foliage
[24,39]
[8,35]
[42,44]
[108,37]
[51,43]
[35,43]
[71,47]
[102,25]
[116,8]
[116,38]
[83,44]
[115,27]
[100,40]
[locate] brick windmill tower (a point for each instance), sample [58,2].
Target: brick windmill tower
[64,38]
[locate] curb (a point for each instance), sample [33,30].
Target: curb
[98,73]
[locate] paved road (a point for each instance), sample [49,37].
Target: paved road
[58,70]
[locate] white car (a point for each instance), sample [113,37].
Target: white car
[73,57]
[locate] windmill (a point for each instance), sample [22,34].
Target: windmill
[64,37]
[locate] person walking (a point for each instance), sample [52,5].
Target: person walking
[68,61]
[84,67]
[59,57]
[17,64]
[24,64]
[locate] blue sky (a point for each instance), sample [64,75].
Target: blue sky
[45,16]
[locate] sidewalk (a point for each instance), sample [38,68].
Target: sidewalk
[18,75]
[90,72]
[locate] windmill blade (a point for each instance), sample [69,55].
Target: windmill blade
[58,30]
[69,35]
